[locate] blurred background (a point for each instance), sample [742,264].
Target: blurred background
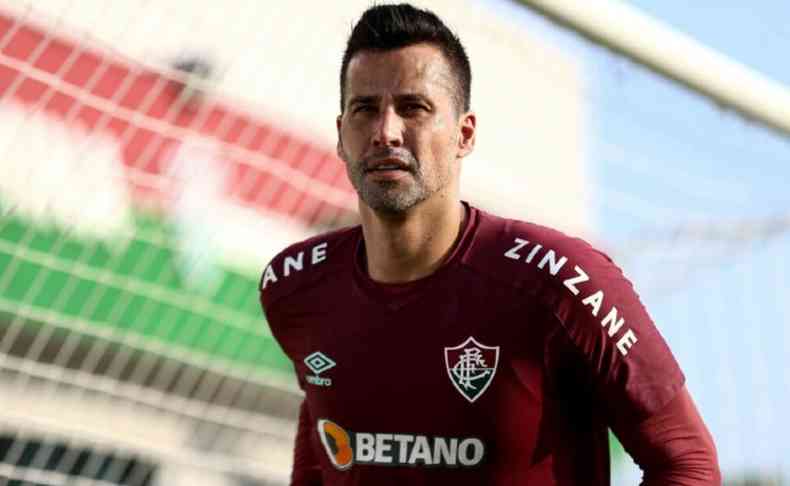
[155,155]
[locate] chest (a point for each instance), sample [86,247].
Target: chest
[447,359]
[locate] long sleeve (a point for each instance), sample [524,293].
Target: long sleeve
[306,471]
[629,369]
[673,447]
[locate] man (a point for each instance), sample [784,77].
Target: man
[441,345]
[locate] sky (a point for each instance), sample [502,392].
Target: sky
[685,194]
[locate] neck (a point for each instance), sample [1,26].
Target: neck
[412,245]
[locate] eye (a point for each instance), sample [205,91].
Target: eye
[412,107]
[363,109]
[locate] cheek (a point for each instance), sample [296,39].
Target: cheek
[443,148]
[355,127]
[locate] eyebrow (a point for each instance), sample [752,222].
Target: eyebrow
[412,97]
[363,100]
[369,99]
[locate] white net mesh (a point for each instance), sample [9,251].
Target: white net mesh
[128,353]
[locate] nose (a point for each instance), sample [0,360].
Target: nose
[388,131]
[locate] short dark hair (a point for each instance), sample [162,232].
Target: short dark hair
[389,27]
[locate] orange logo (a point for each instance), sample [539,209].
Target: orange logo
[337,443]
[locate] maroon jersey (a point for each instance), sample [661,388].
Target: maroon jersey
[504,367]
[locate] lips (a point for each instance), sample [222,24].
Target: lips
[387,164]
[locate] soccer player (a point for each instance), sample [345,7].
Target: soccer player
[438,344]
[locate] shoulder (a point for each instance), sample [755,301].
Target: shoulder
[579,284]
[529,254]
[306,263]
[599,315]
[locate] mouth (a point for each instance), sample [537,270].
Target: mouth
[388,170]
[391,164]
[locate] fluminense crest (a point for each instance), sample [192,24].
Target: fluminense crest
[471,367]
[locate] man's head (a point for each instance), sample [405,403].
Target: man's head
[405,84]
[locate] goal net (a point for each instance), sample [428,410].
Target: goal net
[156,154]
[130,351]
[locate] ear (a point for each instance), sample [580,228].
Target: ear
[466,140]
[339,147]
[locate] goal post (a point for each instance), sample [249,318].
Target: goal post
[618,26]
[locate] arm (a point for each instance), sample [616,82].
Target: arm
[306,471]
[673,446]
[634,376]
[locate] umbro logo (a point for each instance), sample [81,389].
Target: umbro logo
[318,362]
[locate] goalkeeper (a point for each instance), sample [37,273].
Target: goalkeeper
[438,344]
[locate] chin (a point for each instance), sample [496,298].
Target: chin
[394,207]
[390,208]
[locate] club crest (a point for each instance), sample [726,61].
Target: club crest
[471,367]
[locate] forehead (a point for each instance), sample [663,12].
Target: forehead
[420,68]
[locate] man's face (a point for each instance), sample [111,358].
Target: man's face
[400,133]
